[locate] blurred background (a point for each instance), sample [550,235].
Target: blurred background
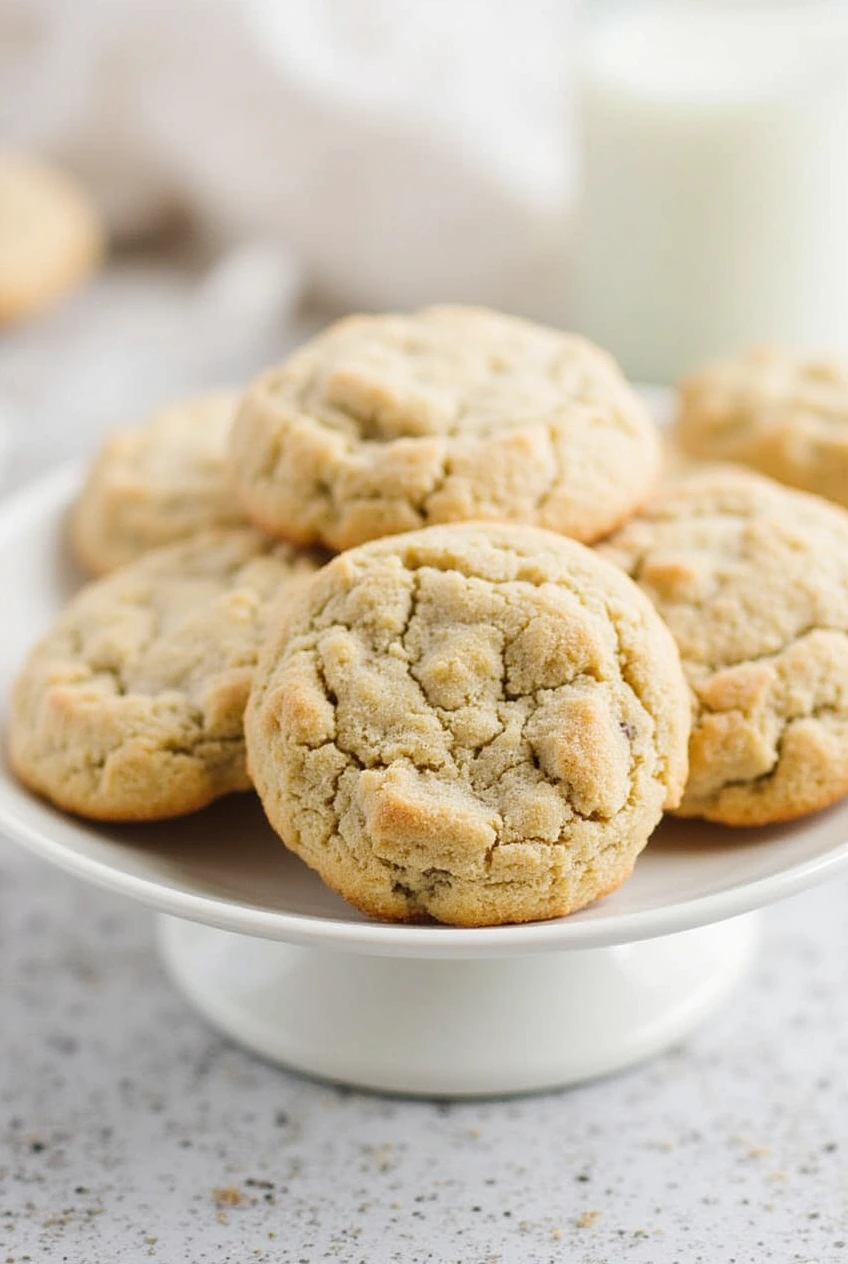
[265,164]
[668,176]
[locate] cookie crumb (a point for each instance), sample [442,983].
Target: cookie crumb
[228,1196]
[587,1219]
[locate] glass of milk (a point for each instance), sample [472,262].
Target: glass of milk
[714,208]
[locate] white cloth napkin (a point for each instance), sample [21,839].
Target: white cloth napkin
[373,153]
[395,152]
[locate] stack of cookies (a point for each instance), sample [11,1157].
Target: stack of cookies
[519,657]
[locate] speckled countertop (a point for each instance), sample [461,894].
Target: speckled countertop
[129,1130]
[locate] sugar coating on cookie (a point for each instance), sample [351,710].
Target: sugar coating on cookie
[479,723]
[131,706]
[50,235]
[783,414]
[156,483]
[383,424]
[752,580]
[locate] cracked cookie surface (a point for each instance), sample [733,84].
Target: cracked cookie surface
[384,424]
[752,580]
[480,723]
[131,706]
[782,414]
[156,483]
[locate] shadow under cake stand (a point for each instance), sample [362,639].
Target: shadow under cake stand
[271,957]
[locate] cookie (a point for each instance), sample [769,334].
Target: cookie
[156,483]
[478,723]
[784,415]
[752,580]
[383,424]
[50,236]
[677,463]
[130,708]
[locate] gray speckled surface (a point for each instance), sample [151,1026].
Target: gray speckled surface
[128,1130]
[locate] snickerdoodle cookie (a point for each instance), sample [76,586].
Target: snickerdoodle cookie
[50,235]
[387,423]
[477,722]
[785,415]
[131,706]
[155,483]
[752,580]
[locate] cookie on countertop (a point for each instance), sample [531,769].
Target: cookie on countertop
[477,722]
[752,580]
[50,235]
[131,707]
[156,483]
[784,415]
[383,424]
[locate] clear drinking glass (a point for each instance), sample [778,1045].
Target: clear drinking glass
[714,207]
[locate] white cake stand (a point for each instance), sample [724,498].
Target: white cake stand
[266,953]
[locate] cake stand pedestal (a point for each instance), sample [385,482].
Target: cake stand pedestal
[453,1027]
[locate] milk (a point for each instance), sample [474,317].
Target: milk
[715,180]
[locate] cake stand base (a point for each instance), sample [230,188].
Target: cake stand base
[458,1028]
